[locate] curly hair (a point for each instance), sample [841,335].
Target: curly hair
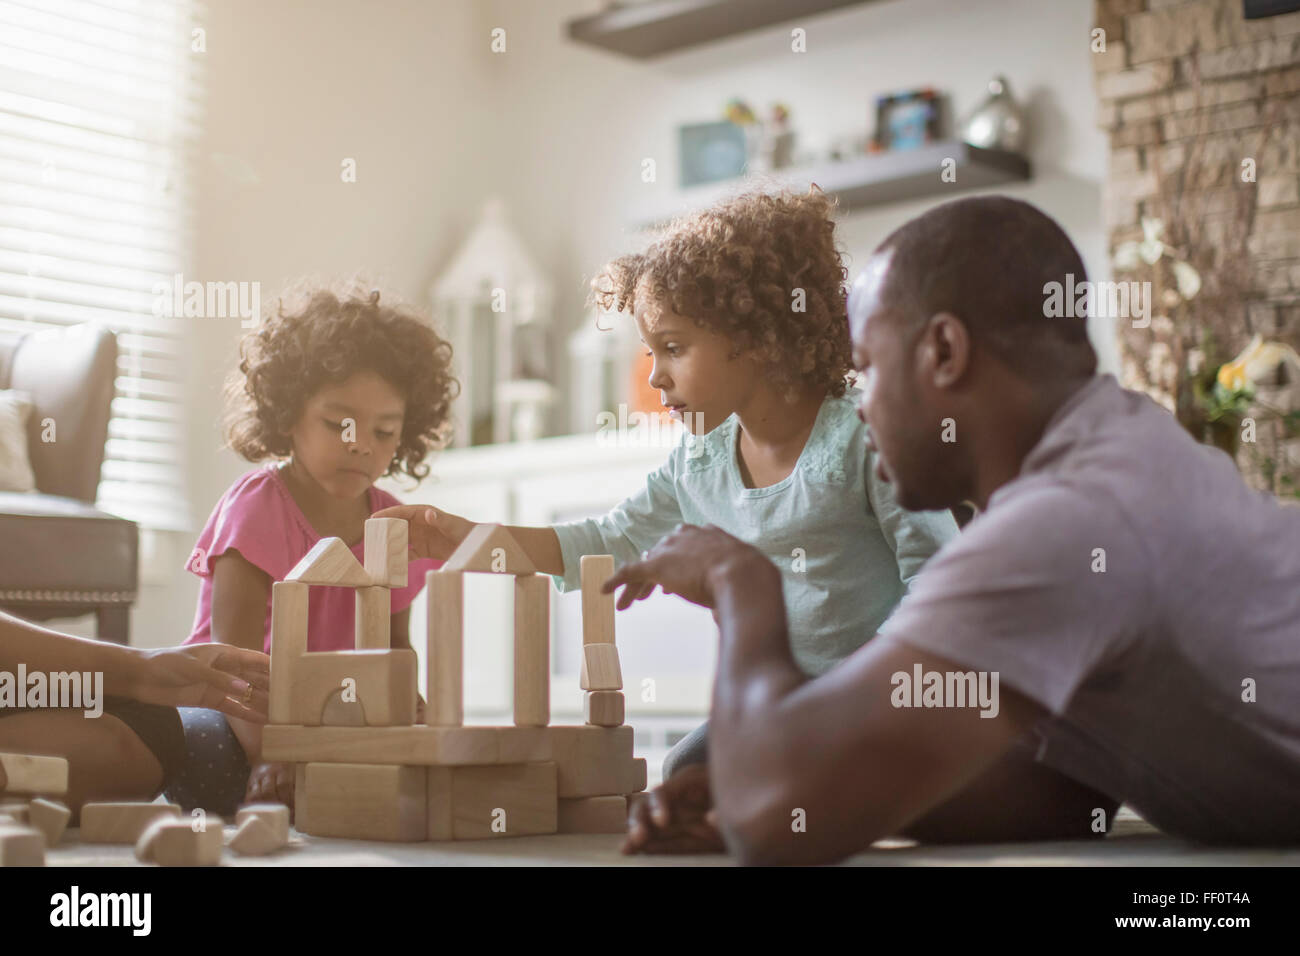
[736,268]
[314,335]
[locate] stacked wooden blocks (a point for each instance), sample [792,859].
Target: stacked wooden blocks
[366,770]
[30,821]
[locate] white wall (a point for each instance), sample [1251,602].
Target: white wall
[437,123]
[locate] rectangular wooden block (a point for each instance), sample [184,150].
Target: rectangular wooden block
[373,618]
[593,815]
[30,773]
[597,608]
[438,816]
[523,745]
[384,683]
[288,644]
[21,845]
[444,592]
[505,800]
[415,745]
[594,761]
[603,708]
[386,547]
[121,822]
[363,801]
[600,669]
[532,651]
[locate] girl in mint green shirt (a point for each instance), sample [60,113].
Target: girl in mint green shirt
[742,308]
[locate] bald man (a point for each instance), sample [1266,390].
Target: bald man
[1121,622]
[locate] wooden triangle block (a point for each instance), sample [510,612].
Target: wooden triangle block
[490,548]
[331,562]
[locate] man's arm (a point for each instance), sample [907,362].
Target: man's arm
[811,771]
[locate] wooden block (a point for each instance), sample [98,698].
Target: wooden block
[122,822]
[438,803]
[594,761]
[444,661]
[373,618]
[300,822]
[274,815]
[21,846]
[177,843]
[505,800]
[255,837]
[30,773]
[288,645]
[593,815]
[50,818]
[383,681]
[597,608]
[490,549]
[600,670]
[363,801]
[14,810]
[417,745]
[532,651]
[639,775]
[386,551]
[331,563]
[523,745]
[603,708]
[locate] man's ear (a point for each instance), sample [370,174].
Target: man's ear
[945,349]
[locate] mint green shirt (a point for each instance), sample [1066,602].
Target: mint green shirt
[846,551]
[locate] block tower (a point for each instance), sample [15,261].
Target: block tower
[365,769]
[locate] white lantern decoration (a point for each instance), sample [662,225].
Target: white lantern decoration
[601,354]
[494,305]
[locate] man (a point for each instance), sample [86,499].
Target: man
[1132,605]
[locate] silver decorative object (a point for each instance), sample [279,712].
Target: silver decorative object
[999,122]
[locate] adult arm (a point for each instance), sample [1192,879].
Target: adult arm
[226,679]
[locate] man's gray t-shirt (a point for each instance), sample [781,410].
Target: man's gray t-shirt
[1172,676]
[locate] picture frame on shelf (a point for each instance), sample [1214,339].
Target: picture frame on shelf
[907,120]
[711,152]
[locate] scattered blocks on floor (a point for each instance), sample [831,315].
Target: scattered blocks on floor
[50,817]
[274,815]
[255,837]
[122,822]
[176,842]
[21,845]
[33,774]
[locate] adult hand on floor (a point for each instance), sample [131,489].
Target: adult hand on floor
[233,680]
[676,817]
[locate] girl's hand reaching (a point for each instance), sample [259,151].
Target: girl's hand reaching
[434,533]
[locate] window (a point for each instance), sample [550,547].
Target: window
[99,108]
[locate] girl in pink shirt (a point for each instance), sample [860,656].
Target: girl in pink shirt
[339,390]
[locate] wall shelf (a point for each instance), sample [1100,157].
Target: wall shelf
[861,182]
[651,29]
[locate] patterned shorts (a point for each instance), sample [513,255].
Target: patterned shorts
[213,774]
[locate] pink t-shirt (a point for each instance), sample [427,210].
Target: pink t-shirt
[258,517]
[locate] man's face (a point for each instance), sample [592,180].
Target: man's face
[903,429]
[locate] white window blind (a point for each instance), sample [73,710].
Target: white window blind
[99,111]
